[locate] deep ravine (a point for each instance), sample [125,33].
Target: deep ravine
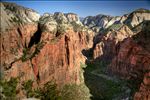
[58,57]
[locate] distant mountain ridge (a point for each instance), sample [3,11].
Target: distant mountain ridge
[132,19]
[96,23]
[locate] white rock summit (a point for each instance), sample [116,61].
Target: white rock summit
[13,14]
[100,22]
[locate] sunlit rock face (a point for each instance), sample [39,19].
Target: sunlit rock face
[129,48]
[137,16]
[128,54]
[18,25]
[42,49]
[12,15]
[99,20]
[105,43]
[102,22]
[133,60]
[72,17]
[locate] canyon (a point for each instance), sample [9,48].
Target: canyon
[100,57]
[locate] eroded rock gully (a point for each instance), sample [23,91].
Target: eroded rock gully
[14,41]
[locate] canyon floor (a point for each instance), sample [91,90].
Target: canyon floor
[103,86]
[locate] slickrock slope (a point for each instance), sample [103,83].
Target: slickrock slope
[42,51]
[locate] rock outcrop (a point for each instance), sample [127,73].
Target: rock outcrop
[137,16]
[96,22]
[72,17]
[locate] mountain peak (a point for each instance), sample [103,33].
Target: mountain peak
[13,14]
[142,10]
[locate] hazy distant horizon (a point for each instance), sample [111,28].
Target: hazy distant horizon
[85,8]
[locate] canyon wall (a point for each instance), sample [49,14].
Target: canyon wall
[133,61]
[127,53]
[48,49]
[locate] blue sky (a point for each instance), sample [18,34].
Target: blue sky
[86,8]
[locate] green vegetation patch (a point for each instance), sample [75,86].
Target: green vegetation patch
[27,86]
[48,92]
[61,29]
[77,27]
[101,66]
[75,92]
[27,54]
[111,89]
[115,26]
[8,89]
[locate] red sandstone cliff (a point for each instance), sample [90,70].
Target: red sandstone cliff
[104,47]
[133,61]
[128,55]
[44,51]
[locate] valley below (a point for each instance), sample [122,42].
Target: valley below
[61,57]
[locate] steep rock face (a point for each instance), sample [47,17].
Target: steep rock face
[133,61]
[58,59]
[72,17]
[128,57]
[15,39]
[61,60]
[112,21]
[97,22]
[105,43]
[144,89]
[137,16]
[138,43]
[49,50]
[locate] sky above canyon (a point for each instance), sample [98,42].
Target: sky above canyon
[85,8]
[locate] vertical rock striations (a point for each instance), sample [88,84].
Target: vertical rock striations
[42,49]
[133,61]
